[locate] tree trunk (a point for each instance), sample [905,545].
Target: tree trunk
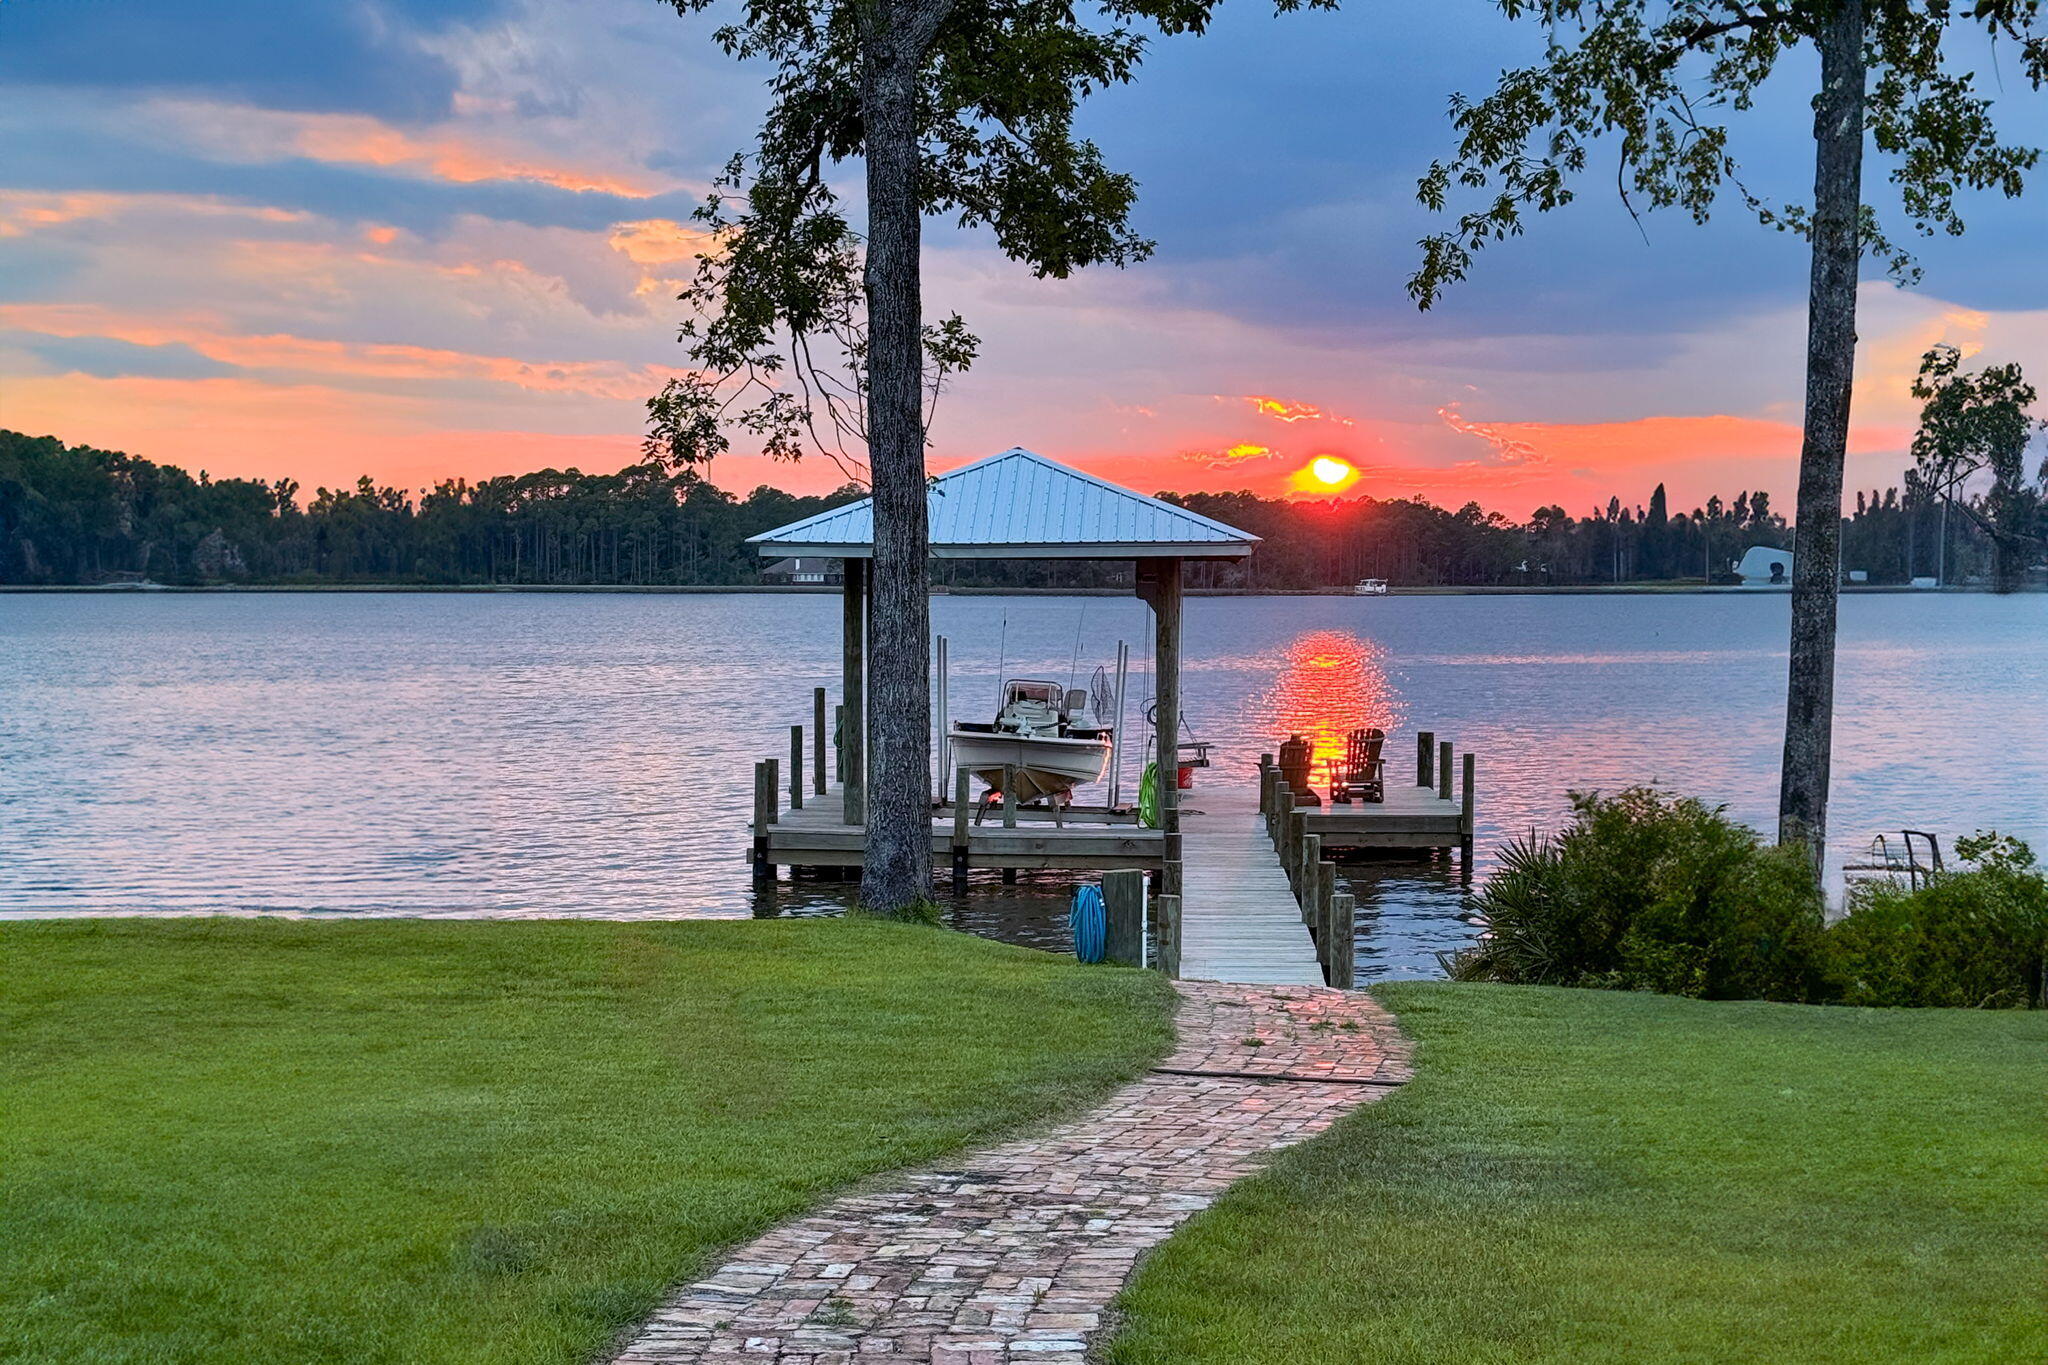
[1830,370]
[897,870]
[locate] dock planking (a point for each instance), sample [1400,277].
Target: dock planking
[817,835]
[1239,918]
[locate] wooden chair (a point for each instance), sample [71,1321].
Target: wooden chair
[1361,774]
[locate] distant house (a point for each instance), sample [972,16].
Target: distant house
[1762,566]
[805,569]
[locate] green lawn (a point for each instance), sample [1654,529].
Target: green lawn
[236,1141]
[1591,1176]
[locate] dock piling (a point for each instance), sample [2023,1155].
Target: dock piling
[764,816]
[960,830]
[1425,758]
[796,767]
[1465,844]
[1169,935]
[1443,771]
[818,740]
[1123,900]
[1340,964]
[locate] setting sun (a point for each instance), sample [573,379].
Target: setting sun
[1329,471]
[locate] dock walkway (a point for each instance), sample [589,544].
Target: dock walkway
[1239,919]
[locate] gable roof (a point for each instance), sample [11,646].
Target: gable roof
[1020,505]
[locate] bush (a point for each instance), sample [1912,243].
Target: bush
[1645,891]
[1973,939]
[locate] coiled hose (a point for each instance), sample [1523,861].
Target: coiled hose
[1089,921]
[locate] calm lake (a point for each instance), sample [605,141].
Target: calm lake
[591,754]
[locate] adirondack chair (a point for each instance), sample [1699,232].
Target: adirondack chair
[1360,775]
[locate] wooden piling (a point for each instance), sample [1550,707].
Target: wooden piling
[1443,771]
[1169,935]
[818,740]
[1341,965]
[1123,898]
[960,830]
[796,767]
[1425,759]
[764,816]
[1465,843]
[1305,878]
[839,743]
[1009,796]
[1169,866]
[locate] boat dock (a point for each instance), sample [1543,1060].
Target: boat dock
[1244,889]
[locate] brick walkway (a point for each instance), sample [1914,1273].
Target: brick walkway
[1013,1254]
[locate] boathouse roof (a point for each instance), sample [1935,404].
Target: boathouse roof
[1020,505]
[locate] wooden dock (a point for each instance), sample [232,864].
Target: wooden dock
[1246,890]
[1239,918]
[818,835]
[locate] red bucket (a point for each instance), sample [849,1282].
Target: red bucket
[1187,777]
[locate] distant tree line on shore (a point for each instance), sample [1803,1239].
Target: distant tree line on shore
[76,515]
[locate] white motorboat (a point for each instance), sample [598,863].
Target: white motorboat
[1053,739]
[1370,587]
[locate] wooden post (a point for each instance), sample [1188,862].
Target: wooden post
[960,830]
[1169,870]
[1283,813]
[839,743]
[1466,823]
[1159,584]
[1265,785]
[1342,963]
[1425,758]
[1169,935]
[1326,891]
[1123,897]
[853,635]
[1009,796]
[796,767]
[1297,830]
[1443,771]
[764,816]
[1311,867]
[818,740]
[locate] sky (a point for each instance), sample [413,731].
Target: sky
[426,238]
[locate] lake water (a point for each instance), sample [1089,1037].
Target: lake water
[591,754]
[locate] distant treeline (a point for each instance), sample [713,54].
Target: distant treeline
[76,515]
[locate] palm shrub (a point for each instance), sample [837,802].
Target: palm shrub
[1647,891]
[1972,939]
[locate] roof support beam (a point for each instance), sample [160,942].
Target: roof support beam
[853,676]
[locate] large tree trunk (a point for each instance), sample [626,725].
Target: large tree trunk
[897,872]
[1830,371]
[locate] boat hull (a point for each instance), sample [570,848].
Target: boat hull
[1045,766]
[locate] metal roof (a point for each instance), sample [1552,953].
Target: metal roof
[1020,505]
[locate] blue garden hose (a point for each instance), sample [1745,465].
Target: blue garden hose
[1089,921]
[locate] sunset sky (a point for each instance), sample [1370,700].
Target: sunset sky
[417,238]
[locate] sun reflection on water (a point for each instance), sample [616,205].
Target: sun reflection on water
[1333,682]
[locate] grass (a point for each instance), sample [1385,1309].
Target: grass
[1596,1176]
[226,1140]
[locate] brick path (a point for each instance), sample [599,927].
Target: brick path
[1013,1254]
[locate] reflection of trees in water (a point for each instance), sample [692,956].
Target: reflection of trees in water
[1333,683]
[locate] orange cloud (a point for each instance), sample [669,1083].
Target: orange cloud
[658,241]
[252,134]
[1506,449]
[1286,410]
[373,360]
[1229,457]
[25,211]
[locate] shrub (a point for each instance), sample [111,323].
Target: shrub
[1973,939]
[1645,891]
